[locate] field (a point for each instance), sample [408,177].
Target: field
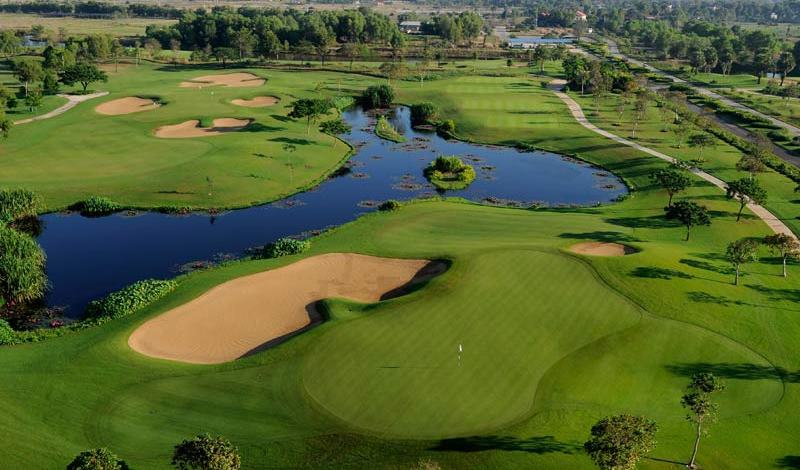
[81,26]
[552,341]
[785,109]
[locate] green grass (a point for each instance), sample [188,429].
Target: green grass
[552,341]
[785,109]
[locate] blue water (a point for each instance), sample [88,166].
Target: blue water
[90,257]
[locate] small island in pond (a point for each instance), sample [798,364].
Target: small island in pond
[450,173]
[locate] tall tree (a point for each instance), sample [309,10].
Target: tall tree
[97,459]
[786,63]
[700,409]
[701,141]
[746,190]
[784,245]
[689,213]
[311,109]
[672,180]
[741,252]
[84,74]
[28,70]
[619,442]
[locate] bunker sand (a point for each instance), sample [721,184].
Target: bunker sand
[128,105]
[257,102]
[189,129]
[234,80]
[601,249]
[243,315]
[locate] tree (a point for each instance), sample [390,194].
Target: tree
[28,70]
[22,277]
[639,110]
[690,214]
[206,453]
[84,74]
[224,54]
[393,70]
[786,63]
[681,129]
[34,99]
[309,108]
[377,96]
[784,245]
[746,190]
[97,459]
[672,180]
[540,55]
[619,442]
[740,252]
[701,141]
[334,127]
[10,43]
[700,408]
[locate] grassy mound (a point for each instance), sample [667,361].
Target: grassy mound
[385,130]
[450,173]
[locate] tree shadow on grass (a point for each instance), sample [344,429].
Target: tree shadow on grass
[653,221]
[291,140]
[706,298]
[258,127]
[280,118]
[654,272]
[730,370]
[791,295]
[788,461]
[532,445]
[706,266]
[600,236]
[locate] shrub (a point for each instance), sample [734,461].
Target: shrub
[385,130]
[450,173]
[97,459]
[285,247]
[377,96]
[389,205]
[447,127]
[22,277]
[17,204]
[130,299]
[98,205]
[422,113]
[7,334]
[207,453]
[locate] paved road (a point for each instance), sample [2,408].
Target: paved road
[774,223]
[614,51]
[72,101]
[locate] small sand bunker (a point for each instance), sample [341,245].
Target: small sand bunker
[241,316]
[257,102]
[601,249]
[192,128]
[236,80]
[131,104]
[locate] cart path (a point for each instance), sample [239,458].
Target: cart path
[72,101]
[774,223]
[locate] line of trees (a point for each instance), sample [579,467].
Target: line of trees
[92,8]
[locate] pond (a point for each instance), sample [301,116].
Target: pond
[90,257]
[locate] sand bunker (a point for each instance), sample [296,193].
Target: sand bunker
[192,128]
[601,249]
[131,104]
[236,80]
[257,102]
[242,315]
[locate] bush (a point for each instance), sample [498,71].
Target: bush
[97,459]
[447,127]
[7,334]
[385,130]
[389,205]
[422,113]
[97,205]
[207,453]
[377,96]
[285,247]
[17,204]
[449,173]
[130,299]
[22,277]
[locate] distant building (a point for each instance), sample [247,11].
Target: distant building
[410,27]
[580,16]
[529,42]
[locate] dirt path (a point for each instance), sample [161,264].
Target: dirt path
[774,223]
[613,49]
[245,315]
[72,101]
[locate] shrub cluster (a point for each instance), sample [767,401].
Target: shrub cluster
[385,130]
[17,204]
[130,299]
[377,96]
[774,88]
[97,205]
[285,247]
[423,113]
[450,173]
[446,127]
[389,205]
[7,334]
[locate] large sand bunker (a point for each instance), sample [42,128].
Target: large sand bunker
[236,80]
[243,315]
[192,128]
[257,102]
[601,249]
[131,104]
